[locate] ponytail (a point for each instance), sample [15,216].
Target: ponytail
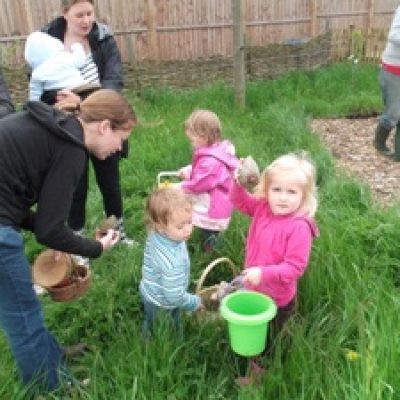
[101,105]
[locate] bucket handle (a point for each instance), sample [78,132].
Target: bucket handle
[210,267]
[162,174]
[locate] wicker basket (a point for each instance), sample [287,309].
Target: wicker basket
[209,294]
[63,279]
[47,272]
[73,287]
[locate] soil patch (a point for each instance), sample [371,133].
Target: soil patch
[350,142]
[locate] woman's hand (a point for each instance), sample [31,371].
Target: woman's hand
[252,275]
[65,96]
[109,239]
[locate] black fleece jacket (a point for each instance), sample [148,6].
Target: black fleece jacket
[42,156]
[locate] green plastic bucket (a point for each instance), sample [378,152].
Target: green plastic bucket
[248,314]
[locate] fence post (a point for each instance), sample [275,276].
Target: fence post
[238,53]
[313,17]
[150,20]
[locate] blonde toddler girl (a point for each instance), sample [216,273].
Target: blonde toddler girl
[281,232]
[209,177]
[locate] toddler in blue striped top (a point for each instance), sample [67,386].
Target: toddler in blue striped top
[166,263]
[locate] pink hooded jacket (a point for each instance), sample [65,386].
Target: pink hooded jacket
[278,244]
[209,179]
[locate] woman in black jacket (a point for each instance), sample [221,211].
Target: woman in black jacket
[43,152]
[77,24]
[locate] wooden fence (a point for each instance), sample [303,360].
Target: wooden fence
[187,43]
[164,30]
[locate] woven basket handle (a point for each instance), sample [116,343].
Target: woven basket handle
[210,267]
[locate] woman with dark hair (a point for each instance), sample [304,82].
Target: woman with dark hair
[103,66]
[43,153]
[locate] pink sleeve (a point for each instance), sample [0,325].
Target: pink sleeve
[242,200]
[204,177]
[296,258]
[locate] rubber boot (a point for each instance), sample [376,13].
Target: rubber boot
[381,134]
[396,155]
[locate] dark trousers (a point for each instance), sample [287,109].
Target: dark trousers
[108,181]
[276,325]
[153,312]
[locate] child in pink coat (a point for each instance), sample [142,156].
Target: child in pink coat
[281,233]
[209,178]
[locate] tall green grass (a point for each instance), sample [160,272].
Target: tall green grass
[348,298]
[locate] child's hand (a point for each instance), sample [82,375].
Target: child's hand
[181,173]
[185,172]
[252,275]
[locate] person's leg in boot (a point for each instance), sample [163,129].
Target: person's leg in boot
[390,86]
[396,155]
[381,135]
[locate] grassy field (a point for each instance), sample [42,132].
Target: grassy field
[348,299]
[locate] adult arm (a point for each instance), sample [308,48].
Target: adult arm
[54,204]
[394,33]
[108,60]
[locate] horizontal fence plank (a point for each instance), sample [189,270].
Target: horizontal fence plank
[184,29]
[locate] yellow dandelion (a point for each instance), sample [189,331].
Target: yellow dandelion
[352,355]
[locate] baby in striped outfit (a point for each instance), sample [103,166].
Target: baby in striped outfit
[166,264]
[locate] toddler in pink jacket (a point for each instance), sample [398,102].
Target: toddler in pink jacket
[281,232]
[209,178]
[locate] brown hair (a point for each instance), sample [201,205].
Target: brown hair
[101,105]
[67,4]
[162,203]
[205,124]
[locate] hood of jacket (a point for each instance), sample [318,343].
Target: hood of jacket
[65,126]
[58,26]
[223,151]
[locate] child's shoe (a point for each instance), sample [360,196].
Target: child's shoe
[255,377]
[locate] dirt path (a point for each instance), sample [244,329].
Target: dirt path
[350,141]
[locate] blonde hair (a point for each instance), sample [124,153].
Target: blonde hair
[101,105]
[67,4]
[299,163]
[162,203]
[205,124]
